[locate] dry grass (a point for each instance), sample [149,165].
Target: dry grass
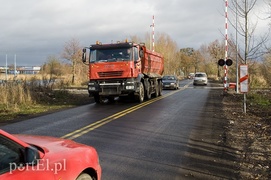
[13,96]
[31,94]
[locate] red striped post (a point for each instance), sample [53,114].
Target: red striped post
[153,33]
[226,45]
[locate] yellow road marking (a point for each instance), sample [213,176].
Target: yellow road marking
[95,125]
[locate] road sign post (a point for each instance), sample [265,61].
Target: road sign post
[244,85]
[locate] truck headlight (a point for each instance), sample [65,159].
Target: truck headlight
[91,88]
[130,87]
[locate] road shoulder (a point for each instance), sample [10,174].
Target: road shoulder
[210,156]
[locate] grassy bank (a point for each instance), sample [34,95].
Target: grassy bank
[20,100]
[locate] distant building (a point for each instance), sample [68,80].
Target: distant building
[3,69]
[29,70]
[21,70]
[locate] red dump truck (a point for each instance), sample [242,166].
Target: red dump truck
[124,70]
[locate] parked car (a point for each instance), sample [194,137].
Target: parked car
[170,82]
[191,76]
[40,157]
[200,78]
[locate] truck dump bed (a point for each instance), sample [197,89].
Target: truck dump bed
[152,63]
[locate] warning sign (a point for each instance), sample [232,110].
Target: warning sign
[243,78]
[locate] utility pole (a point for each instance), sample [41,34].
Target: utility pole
[6,71]
[14,66]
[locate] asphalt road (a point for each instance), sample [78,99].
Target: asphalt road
[178,135]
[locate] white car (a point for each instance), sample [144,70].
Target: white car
[200,78]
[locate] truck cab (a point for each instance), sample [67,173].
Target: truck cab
[115,70]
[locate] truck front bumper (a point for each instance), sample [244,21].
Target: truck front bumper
[112,87]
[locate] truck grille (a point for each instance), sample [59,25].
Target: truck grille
[110,74]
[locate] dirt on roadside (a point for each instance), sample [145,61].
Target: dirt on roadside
[249,133]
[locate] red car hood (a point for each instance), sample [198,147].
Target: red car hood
[50,144]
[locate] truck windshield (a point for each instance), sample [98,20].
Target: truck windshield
[108,55]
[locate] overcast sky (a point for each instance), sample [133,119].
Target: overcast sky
[34,30]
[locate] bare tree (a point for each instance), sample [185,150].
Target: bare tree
[269,10]
[136,39]
[186,62]
[73,53]
[194,60]
[165,45]
[216,50]
[253,47]
[53,67]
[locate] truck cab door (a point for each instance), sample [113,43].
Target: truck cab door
[137,60]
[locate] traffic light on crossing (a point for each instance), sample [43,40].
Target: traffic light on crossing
[228,62]
[221,62]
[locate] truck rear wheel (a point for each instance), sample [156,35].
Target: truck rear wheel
[148,90]
[160,88]
[156,94]
[140,96]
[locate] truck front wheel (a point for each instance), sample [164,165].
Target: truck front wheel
[148,91]
[140,95]
[97,98]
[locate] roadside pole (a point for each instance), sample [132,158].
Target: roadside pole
[236,37]
[153,33]
[226,47]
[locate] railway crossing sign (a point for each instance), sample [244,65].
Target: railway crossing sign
[243,78]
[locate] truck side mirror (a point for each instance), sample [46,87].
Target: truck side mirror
[84,58]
